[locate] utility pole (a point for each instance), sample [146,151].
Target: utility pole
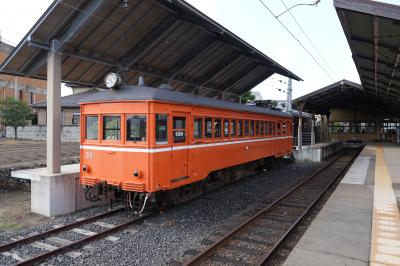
[288,107]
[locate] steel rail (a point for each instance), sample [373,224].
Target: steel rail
[209,250]
[83,241]
[44,234]
[288,231]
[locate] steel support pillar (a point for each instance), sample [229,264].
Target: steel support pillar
[313,131]
[53,112]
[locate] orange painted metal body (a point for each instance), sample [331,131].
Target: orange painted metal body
[171,165]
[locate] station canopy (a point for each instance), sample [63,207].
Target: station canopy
[372,30]
[336,95]
[165,41]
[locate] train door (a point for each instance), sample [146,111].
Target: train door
[179,146]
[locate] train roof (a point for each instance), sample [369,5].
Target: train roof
[143,93]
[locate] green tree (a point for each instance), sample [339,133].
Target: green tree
[14,113]
[248,97]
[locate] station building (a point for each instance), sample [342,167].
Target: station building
[349,115]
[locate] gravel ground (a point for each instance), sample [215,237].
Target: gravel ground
[180,232]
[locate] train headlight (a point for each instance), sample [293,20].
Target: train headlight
[137,173]
[85,168]
[112,80]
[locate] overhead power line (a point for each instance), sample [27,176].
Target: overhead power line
[311,42]
[283,25]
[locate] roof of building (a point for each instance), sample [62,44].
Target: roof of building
[69,101]
[336,95]
[142,93]
[372,30]
[164,41]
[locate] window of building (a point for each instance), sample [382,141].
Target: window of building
[226,128]
[246,127]
[92,127]
[161,129]
[217,128]
[136,128]
[111,127]
[34,119]
[198,128]
[240,128]
[179,129]
[209,128]
[233,128]
[76,118]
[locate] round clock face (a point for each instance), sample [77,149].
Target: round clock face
[111,80]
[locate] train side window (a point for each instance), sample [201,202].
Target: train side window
[240,128]
[92,127]
[246,127]
[198,128]
[161,129]
[284,128]
[179,129]
[209,128]
[233,128]
[257,128]
[111,127]
[261,126]
[251,128]
[136,128]
[217,128]
[278,128]
[226,128]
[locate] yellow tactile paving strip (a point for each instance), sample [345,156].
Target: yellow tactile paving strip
[385,236]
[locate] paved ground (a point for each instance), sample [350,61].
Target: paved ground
[360,223]
[21,152]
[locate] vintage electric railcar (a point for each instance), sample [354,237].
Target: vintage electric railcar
[145,142]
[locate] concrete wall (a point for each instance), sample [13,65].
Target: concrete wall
[68,133]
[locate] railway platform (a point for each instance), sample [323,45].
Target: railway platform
[360,223]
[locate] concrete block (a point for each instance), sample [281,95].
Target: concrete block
[318,152]
[56,194]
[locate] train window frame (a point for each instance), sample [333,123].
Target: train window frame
[199,138]
[174,130]
[207,135]
[103,118]
[129,116]
[97,128]
[226,128]
[166,141]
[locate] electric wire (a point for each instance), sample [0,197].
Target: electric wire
[309,40]
[283,25]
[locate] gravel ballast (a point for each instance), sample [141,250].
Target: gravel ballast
[180,232]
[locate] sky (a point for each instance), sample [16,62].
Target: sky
[252,22]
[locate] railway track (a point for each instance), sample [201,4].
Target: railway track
[44,250]
[255,240]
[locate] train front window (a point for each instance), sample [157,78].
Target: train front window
[136,128]
[179,129]
[161,129]
[92,127]
[111,128]
[208,133]
[198,128]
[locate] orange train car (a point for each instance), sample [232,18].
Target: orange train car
[144,142]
